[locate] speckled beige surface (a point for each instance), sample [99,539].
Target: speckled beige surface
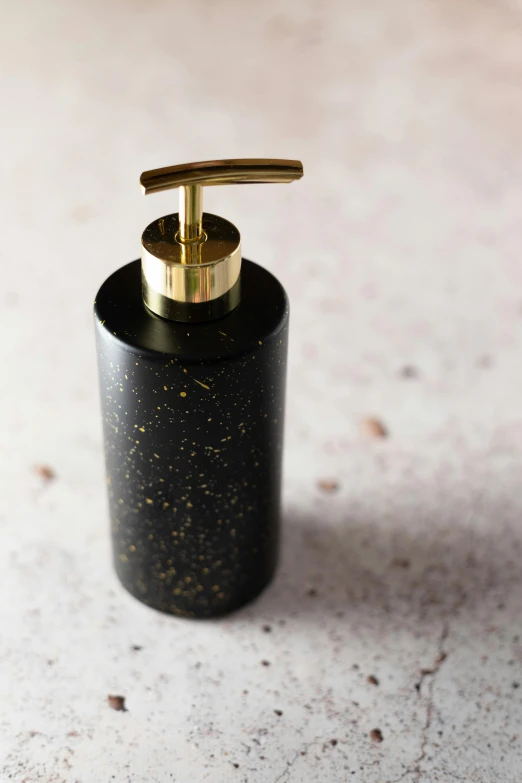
[401,247]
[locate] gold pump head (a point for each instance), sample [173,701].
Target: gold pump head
[191,261]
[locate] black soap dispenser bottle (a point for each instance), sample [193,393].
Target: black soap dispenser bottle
[192,344]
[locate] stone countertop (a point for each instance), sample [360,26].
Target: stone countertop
[389,647]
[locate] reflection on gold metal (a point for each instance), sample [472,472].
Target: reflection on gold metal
[222,172]
[194,259]
[195,272]
[190,213]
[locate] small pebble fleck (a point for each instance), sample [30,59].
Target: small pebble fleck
[236,766]
[117,703]
[372,679]
[312,592]
[45,472]
[516,685]
[375,428]
[136,647]
[376,735]
[265,663]
[333,742]
[267,628]
[400,562]
[409,371]
[278,712]
[328,485]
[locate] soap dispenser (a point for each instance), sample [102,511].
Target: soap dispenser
[192,345]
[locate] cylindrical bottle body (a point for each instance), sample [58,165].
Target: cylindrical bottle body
[193,448]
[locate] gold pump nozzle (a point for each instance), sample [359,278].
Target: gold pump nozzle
[191,261]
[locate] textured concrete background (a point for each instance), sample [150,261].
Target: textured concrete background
[400,247]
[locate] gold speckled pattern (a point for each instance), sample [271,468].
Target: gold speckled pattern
[193,453]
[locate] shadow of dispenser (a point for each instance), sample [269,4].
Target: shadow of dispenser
[192,344]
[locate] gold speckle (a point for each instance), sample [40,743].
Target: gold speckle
[141,429]
[260,342]
[156,455]
[189,504]
[165,504]
[150,537]
[177,591]
[201,384]
[221,595]
[162,576]
[184,369]
[188,579]
[132,548]
[124,558]
[165,388]
[183,394]
[205,571]
[215,588]
[149,501]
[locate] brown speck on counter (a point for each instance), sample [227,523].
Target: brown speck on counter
[117,703]
[267,628]
[312,592]
[265,663]
[409,371]
[278,712]
[333,743]
[236,766]
[328,485]
[45,472]
[73,734]
[372,679]
[400,562]
[136,647]
[375,428]
[376,735]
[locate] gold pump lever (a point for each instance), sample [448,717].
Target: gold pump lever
[191,177]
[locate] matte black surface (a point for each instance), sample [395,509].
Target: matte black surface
[193,424]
